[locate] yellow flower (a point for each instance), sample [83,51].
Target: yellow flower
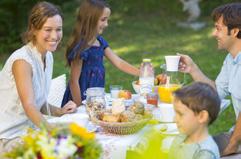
[79,144]
[80,131]
[50,144]
[29,140]
[47,155]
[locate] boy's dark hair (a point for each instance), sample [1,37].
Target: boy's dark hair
[231,14]
[200,96]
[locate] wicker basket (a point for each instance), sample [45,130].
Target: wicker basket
[122,128]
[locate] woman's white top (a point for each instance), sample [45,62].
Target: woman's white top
[13,120]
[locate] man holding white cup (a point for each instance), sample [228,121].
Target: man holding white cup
[228,34]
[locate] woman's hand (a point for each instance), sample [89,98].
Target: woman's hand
[68,108]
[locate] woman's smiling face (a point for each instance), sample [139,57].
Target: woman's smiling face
[49,36]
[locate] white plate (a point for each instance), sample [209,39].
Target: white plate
[80,119]
[84,102]
[169,129]
[91,127]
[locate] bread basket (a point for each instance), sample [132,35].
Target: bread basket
[122,128]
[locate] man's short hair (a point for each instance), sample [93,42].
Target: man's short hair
[200,96]
[231,14]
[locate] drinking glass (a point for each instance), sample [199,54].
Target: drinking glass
[114,90]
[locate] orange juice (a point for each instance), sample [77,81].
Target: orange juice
[165,92]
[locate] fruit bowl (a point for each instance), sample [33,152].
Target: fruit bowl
[159,80]
[136,87]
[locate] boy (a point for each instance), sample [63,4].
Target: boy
[196,106]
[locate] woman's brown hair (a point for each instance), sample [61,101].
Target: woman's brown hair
[85,28]
[37,17]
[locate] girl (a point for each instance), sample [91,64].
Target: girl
[26,76]
[86,50]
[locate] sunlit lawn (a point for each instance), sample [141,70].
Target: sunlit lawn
[152,36]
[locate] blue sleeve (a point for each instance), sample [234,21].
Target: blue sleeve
[75,51]
[103,42]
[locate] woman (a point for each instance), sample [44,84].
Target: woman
[26,76]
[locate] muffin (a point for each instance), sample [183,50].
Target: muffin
[137,108]
[127,116]
[109,117]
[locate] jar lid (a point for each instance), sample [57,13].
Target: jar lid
[95,91]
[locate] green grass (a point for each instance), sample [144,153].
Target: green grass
[151,35]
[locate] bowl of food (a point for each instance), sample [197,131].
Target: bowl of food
[159,80]
[126,122]
[136,86]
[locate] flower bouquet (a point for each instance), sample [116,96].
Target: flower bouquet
[72,142]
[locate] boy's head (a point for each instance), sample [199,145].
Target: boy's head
[194,105]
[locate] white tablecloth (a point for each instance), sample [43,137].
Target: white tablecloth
[114,146]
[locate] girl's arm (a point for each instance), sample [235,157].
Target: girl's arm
[69,107]
[120,63]
[75,71]
[22,72]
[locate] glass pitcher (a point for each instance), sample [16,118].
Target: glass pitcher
[174,80]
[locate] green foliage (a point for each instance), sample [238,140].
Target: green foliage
[13,20]
[135,7]
[207,6]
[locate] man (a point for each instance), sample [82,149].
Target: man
[228,34]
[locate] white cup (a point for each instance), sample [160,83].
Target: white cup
[172,63]
[167,112]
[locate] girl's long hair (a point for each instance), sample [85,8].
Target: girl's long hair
[85,28]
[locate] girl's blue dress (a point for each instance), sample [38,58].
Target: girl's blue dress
[93,70]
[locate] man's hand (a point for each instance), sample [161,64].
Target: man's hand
[186,64]
[230,149]
[235,138]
